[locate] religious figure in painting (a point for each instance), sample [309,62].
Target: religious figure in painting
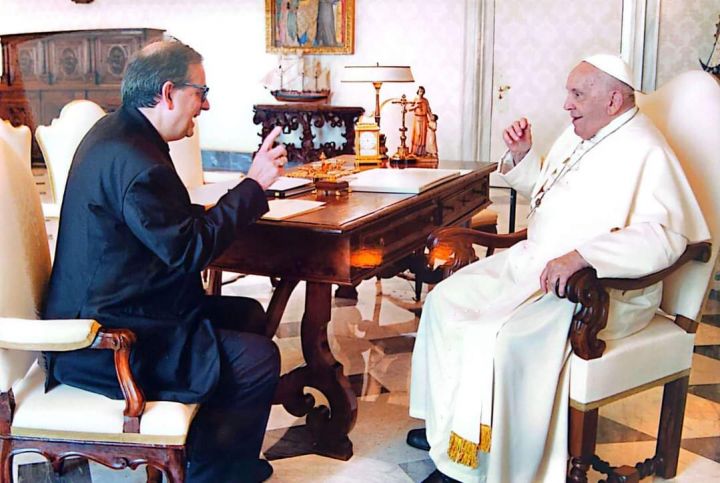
[326,23]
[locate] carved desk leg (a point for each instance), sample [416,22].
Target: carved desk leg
[329,427]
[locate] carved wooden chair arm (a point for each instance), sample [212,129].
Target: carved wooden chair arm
[120,341]
[590,292]
[452,248]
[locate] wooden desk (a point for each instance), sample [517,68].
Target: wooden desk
[351,239]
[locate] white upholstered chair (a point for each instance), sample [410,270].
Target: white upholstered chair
[66,422]
[17,139]
[687,111]
[187,158]
[59,141]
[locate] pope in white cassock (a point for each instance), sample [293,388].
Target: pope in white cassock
[489,368]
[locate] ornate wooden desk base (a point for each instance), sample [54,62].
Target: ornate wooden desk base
[329,426]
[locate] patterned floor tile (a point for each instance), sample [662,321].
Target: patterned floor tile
[707,391]
[287,443]
[610,431]
[707,335]
[395,345]
[712,319]
[705,370]
[692,468]
[709,351]
[418,470]
[707,447]
[366,385]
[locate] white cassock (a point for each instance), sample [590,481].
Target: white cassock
[492,349]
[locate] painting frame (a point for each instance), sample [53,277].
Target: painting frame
[305,41]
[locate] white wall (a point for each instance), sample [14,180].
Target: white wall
[230,34]
[686,30]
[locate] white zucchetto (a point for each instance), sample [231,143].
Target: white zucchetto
[613,66]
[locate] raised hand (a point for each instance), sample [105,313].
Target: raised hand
[269,161]
[518,139]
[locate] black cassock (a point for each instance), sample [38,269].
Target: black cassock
[129,254]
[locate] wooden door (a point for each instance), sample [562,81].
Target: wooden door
[536,44]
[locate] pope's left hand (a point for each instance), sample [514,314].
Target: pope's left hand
[558,270]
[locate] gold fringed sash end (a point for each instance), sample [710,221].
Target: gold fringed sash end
[465,452]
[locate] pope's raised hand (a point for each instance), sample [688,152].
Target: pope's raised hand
[518,139]
[268,163]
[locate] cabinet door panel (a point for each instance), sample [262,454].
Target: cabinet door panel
[109,100]
[112,54]
[69,59]
[28,64]
[53,101]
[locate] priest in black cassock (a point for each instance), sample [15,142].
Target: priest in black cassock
[129,254]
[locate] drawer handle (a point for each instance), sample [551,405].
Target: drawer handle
[478,191]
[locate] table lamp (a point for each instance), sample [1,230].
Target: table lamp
[377,74]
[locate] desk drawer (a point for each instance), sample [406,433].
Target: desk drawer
[464,202]
[394,238]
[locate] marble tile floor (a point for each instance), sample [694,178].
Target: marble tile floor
[373,338]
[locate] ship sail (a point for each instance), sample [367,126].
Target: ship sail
[297,79]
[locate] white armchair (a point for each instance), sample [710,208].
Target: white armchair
[687,111]
[58,143]
[66,421]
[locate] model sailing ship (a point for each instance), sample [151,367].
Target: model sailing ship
[295,80]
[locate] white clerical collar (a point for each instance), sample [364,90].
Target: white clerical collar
[613,125]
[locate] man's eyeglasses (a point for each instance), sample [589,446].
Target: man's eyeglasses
[204,89]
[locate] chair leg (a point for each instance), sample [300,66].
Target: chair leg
[5,461]
[176,467]
[154,475]
[583,432]
[670,429]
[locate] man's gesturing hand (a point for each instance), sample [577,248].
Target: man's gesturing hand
[518,139]
[558,270]
[268,162]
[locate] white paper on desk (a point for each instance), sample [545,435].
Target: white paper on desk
[408,180]
[281,209]
[208,195]
[284,183]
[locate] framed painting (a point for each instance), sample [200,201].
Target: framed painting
[310,26]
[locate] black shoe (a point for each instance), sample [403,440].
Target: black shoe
[438,477]
[417,438]
[256,471]
[251,471]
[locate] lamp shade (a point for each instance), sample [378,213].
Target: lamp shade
[377,73]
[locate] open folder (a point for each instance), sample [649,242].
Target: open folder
[281,209]
[208,194]
[408,180]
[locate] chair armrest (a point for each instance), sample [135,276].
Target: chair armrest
[590,292]
[120,341]
[453,247]
[47,335]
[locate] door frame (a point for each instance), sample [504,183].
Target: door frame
[639,47]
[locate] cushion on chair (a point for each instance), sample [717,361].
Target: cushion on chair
[483,218]
[69,413]
[47,335]
[658,351]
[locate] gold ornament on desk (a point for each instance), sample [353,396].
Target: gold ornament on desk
[367,143]
[403,153]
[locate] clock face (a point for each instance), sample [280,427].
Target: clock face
[368,144]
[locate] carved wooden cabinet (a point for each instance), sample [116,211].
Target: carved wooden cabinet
[306,120]
[44,71]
